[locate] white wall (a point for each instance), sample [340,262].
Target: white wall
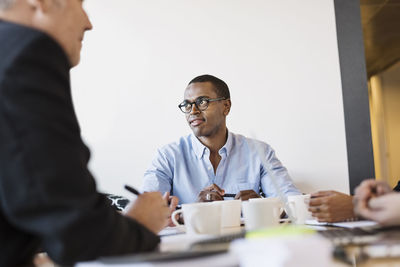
[279,58]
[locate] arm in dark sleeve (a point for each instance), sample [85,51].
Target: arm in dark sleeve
[45,186]
[397,187]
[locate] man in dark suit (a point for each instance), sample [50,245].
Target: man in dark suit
[48,198]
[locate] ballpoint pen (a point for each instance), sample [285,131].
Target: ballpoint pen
[132,190]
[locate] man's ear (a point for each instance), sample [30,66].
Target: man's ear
[41,5]
[227,107]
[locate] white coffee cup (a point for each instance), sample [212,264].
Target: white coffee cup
[275,201]
[200,218]
[261,213]
[298,205]
[230,213]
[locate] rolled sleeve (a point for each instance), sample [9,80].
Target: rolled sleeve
[278,172]
[158,177]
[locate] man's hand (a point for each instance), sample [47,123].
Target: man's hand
[376,201]
[383,209]
[173,202]
[150,210]
[247,194]
[367,190]
[211,193]
[331,206]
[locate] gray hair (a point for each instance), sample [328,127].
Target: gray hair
[4,4]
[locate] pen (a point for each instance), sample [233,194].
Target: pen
[132,190]
[229,195]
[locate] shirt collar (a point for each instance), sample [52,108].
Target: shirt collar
[228,145]
[199,148]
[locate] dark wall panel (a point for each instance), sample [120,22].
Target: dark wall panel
[355,91]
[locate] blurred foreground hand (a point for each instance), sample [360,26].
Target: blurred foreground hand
[151,210]
[375,200]
[173,201]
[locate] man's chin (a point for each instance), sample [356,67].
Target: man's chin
[198,132]
[75,61]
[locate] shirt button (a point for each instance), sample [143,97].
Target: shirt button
[209,168]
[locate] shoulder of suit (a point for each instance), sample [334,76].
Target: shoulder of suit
[18,40]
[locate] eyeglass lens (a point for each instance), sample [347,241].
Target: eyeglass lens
[201,103]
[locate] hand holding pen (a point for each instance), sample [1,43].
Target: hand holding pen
[211,193]
[215,193]
[171,200]
[149,209]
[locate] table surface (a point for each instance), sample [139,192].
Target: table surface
[178,242]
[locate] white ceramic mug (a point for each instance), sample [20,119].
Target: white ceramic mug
[298,205]
[261,213]
[275,201]
[230,213]
[200,218]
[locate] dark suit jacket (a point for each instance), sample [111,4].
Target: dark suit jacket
[397,187]
[48,198]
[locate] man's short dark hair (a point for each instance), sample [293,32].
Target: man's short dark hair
[220,87]
[4,4]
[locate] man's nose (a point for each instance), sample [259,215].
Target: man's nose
[195,109]
[88,25]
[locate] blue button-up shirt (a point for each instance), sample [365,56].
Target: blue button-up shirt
[184,168]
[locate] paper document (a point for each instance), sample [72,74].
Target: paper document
[355,224]
[172,231]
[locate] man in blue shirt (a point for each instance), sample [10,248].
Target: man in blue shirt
[212,161]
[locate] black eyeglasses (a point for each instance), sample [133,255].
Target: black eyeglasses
[200,102]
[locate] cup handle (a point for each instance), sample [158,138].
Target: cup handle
[278,211]
[173,215]
[281,209]
[292,207]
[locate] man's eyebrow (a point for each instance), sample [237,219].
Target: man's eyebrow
[202,96]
